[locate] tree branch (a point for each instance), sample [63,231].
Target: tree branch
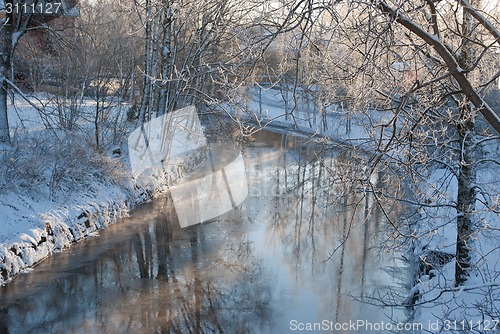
[456,71]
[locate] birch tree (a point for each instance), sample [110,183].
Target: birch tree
[194,49]
[5,59]
[13,25]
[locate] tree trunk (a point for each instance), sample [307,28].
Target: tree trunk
[132,74]
[96,119]
[155,91]
[466,200]
[4,120]
[147,64]
[5,61]
[466,192]
[166,53]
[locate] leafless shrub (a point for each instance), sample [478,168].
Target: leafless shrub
[45,165]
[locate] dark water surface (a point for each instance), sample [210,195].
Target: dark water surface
[261,268]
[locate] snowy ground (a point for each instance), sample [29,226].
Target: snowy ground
[472,308]
[54,190]
[37,223]
[267,109]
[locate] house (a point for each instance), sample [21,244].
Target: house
[50,20]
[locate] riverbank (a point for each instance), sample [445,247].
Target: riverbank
[56,189]
[431,236]
[34,228]
[258,269]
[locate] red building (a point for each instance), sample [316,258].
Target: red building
[51,21]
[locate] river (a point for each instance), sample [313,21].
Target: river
[297,251]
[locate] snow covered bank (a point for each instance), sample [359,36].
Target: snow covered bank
[266,109]
[431,226]
[34,227]
[56,189]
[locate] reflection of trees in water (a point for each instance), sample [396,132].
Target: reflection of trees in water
[207,278]
[330,224]
[164,280]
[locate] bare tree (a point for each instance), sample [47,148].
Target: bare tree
[418,76]
[14,24]
[103,46]
[198,54]
[421,72]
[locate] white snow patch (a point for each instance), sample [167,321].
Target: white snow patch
[34,226]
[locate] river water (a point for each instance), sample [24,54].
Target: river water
[299,250]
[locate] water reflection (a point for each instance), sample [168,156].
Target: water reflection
[296,248]
[325,230]
[152,278]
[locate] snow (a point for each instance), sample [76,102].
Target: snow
[477,303]
[38,220]
[34,226]
[163,138]
[337,123]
